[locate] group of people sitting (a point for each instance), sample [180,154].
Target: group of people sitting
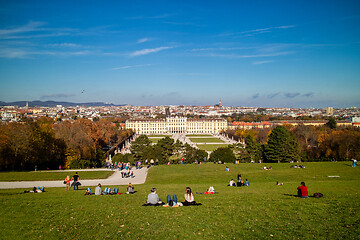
[154,200]
[240,182]
[109,191]
[36,190]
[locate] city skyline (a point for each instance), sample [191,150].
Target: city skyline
[246,53]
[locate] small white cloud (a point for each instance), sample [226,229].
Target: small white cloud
[65,45]
[148,51]
[130,66]
[262,62]
[142,40]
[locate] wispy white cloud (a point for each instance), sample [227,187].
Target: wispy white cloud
[70,45]
[220,49]
[253,32]
[262,62]
[131,66]
[274,54]
[30,27]
[147,51]
[142,40]
[25,53]
[33,30]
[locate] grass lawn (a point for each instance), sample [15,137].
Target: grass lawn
[198,135]
[36,176]
[210,147]
[154,140]
[158,136]
[206,140]
[260,211]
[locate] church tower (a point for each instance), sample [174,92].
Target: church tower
[220,103]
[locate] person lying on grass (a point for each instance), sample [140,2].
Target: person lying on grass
[173,202]
[189,198]
[36,190]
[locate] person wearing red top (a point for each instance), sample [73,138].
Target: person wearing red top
[303,191]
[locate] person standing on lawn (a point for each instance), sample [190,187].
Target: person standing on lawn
[67,186]
[76,181]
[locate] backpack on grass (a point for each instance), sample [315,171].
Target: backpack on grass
[318,195]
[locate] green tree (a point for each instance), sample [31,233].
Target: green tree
[140,146]
[164,148]
[331,123]
[223,154]
[192,154]
[239,151]
[254,149]
[282,146]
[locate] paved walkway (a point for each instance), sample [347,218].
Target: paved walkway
[115,179]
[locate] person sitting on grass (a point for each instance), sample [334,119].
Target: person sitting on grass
[232,183]
[98,190]
[279,183]
[189,198]
[153,199]
[211,190]
[302,191]
[130,189]
[246,183]
[88,191]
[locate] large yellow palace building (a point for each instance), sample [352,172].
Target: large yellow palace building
[176,125]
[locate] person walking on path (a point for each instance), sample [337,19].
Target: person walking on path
[76,181]
[67,182]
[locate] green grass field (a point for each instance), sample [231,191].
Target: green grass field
[45,175]
[260,211]
[154,140]
[158,136]
[206,140]
[210,147]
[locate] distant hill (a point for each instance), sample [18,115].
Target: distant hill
[38,103]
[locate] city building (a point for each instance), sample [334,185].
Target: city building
[329,111]
[176,124]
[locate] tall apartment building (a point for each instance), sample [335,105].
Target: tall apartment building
[176,124]
[329,111]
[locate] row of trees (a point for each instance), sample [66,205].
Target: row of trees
[48,144]
[165,150]
[306,143]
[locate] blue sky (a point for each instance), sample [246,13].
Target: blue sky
[246,53]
